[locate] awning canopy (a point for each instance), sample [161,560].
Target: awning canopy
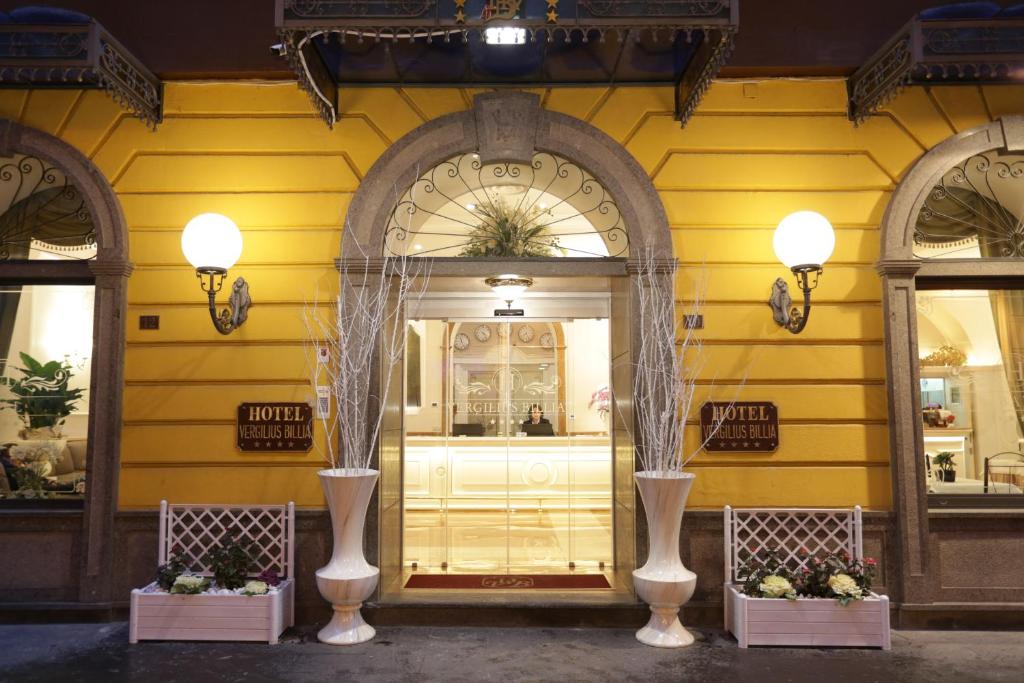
[965,43]
[332,43]
[47,47]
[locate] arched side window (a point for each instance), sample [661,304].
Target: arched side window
[953,268]
[63,279]
[46,331]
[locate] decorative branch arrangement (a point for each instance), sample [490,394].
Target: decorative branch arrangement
[667,364]
[510,231]
[366,335]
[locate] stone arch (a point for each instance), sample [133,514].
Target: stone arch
[901,215]
[506,126]
[900,268]
[109,272]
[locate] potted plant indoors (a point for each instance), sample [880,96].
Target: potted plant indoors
[42,398]
[667,363]
[364,335]
[946,468]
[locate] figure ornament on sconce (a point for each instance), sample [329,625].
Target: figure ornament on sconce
[780,302]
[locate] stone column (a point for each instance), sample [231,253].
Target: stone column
[104,447]
[910,501]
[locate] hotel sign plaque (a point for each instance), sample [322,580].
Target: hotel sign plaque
[272,427]
[743,426]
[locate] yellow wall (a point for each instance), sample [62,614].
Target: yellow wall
[754,152]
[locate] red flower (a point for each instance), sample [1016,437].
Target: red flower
[870,561]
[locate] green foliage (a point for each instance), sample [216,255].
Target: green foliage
[42,398]
[176,565]
[944,461]
[230,561]
[508,231]
[28,480]
[759,566]
[813,579]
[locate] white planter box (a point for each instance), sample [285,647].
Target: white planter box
[162,616]
[194,529]
[799,534]
[817,622]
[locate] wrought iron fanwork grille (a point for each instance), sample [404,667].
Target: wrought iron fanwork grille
[42,211]
[549,207]
[978,204]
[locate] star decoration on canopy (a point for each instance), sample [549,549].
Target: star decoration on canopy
[552,11]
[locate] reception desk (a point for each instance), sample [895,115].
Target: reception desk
[489,502]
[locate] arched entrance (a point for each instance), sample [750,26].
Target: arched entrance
[510,129]
[952,273]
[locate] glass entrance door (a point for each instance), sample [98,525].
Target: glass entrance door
[508,455]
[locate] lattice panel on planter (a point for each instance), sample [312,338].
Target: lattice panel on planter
[198,528]
[789,531]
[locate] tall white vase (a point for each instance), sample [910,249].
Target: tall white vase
[348,579]
[664,583]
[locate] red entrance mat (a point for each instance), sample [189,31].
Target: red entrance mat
[508,581]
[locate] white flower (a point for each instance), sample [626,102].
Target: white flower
[190,584]
[775,587]
[255,588]
[844,585]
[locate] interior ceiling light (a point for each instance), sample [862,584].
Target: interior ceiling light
[508,287]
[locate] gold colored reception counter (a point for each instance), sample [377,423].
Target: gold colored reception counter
[496,503]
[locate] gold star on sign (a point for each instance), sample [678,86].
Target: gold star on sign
[552,16]
[460,16]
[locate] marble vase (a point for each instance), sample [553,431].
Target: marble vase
[348,579]
[663,582]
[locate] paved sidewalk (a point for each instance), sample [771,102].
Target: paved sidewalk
[100,652]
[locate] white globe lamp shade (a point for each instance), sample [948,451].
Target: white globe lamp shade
[804,238]
[211,240]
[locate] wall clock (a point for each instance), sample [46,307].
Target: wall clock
[482,333]
[525,334]
[461,342]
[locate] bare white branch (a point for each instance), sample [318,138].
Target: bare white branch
[668,361]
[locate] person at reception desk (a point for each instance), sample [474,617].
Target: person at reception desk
[532,425]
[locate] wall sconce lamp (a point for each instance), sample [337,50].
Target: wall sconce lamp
[508,288]
[803,241]
[212,243]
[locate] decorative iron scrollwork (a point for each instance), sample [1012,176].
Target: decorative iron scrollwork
[449,211]
[358,8]
[673,8]
[42,211]
[974,41]
[931,52]
[979,203]
[48,55]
